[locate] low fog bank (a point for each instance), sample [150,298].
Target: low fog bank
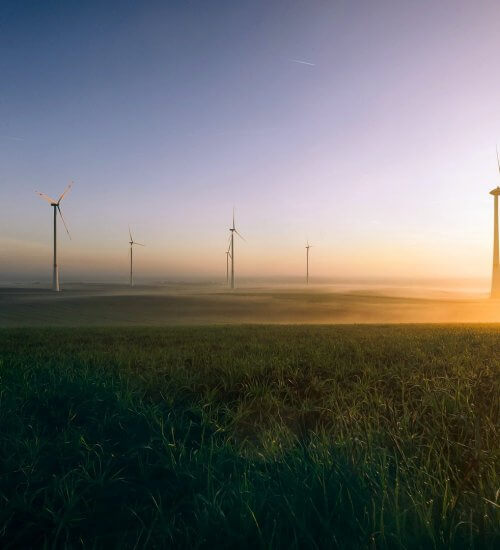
[401,287]
[194,302]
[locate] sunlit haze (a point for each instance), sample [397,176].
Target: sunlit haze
[368,128]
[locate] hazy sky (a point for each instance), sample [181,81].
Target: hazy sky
[380,148]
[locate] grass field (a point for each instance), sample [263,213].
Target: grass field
[250,436]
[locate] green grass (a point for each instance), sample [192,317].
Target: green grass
[252,436]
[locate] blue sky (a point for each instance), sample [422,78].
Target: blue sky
[166,114]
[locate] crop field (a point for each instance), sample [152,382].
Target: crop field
[250,436]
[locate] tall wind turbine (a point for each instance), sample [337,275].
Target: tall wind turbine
[231,248]
[495,277]
[308,246]
[132,242]
[57,208]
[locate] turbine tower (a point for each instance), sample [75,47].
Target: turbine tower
[495,276]
[308,246]
[231,248]
[132,242]
[57,208]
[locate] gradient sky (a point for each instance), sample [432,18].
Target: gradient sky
[381,151]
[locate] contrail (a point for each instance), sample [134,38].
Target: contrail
[14,138]
[303,62]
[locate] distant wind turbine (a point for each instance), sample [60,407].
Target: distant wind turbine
[231,248]
[57,208]
[308,246]
[132,242]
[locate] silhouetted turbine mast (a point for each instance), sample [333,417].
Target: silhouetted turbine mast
[57,208]
[308,246]
[495,276]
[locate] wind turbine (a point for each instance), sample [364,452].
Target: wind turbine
[495,276]
[132,242]
[231,248]
[308,246]
[56,206]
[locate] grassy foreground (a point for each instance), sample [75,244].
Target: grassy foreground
[252,436]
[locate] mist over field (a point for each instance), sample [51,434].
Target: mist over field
[196,303]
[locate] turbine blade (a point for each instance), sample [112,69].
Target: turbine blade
[46,197]
[64,192]
[498,161]
[233,217]
[139,244]
[130,233]
[240,236]
[64,222]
